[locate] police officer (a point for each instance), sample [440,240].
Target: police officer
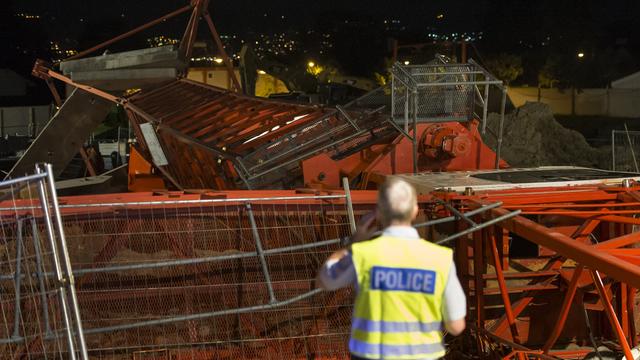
[407,288]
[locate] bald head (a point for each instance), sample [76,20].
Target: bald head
[397,202]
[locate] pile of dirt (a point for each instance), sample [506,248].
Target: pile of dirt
[532,137]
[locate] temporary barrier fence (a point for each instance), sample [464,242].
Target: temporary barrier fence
[40,314]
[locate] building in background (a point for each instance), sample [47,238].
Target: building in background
[628,82]
[12,84]
[218,76]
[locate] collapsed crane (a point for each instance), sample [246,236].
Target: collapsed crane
[547,256]
[198,136]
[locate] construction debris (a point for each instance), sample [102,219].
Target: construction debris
[65,133]
[533,137]
[229,274]
[142,68]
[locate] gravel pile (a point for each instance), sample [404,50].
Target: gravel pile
[532,137]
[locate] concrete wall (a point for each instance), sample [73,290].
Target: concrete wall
[24,120]
[624,102]
[598,102]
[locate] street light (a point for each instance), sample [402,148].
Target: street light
[580,55]
[406,62]
[314,69]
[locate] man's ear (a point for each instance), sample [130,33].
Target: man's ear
[414,214]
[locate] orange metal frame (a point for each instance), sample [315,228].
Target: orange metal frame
[519,307]
[586,248]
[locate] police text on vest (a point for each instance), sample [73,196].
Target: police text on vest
[402,279]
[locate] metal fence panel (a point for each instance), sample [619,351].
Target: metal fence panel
[625,150]
[39,317]
[210,278]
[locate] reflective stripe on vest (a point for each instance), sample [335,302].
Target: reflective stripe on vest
[384,351]
[395,326]
[397,311]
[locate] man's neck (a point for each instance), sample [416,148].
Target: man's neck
[402,230]
[399,224]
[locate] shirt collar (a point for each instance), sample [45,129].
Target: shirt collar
[401,231]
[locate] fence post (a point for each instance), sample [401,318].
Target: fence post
[46,215]
[485,108]
[415,130]
[260,251]
[347,194]
[503,104]
[66,262]
[633,152]
[40,275]
[17,311]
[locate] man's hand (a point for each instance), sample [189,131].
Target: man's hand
[365,228]
[339,263]
[331,269]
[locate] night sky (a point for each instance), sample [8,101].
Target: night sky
[542,33]
[69,18]
[239,15]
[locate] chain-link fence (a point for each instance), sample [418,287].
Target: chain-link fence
[39,316]
[625,150]
[217,278]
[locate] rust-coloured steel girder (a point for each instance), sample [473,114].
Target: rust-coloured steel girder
[544,294]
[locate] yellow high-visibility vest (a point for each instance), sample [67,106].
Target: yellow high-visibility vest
[398,309]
